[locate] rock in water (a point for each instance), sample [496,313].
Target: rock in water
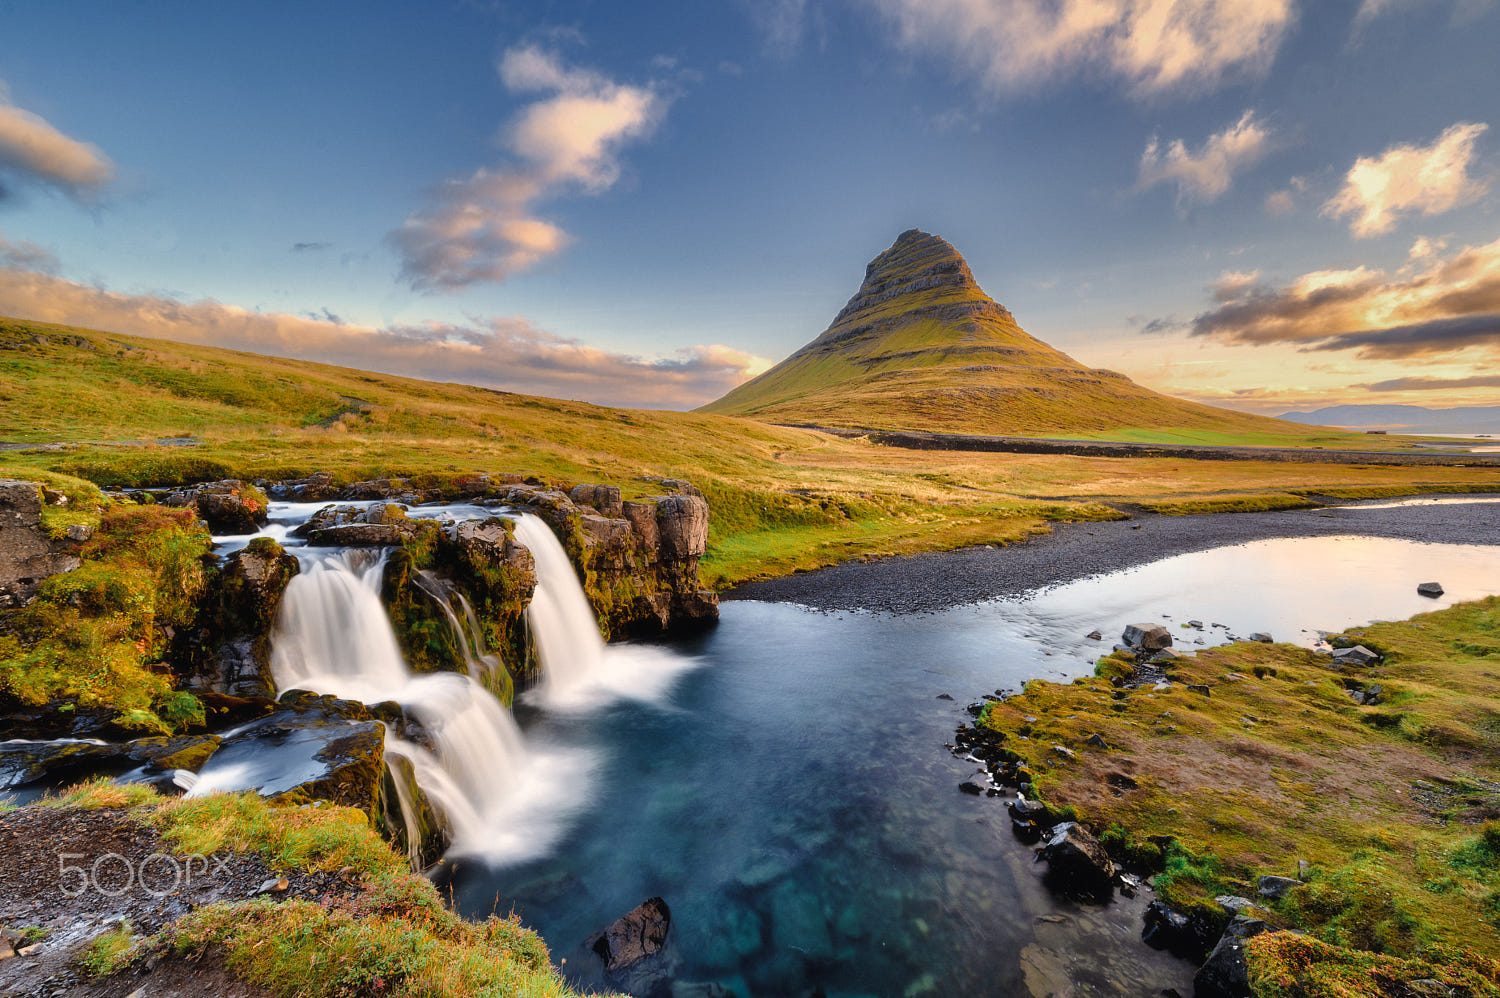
[228,507]
[631,948]
[1431,590]
[1077,863]
[1151,637]
[1225,974]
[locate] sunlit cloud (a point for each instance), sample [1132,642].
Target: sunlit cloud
[484,227]
[1407,179]
[26,256]
[503,353]
[1281,202]
[1433,384]
[1452,305]
[1153,46]
[1205,174]
[32,151]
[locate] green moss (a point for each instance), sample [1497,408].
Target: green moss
[1284,965]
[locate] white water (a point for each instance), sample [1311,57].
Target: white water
[579,671]
[500,798]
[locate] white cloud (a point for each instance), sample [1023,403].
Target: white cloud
[505,353]
[781,24]
[1280,202]
[33,150]
[1404,179]
[1153,46]
[484,227]
[1206,174]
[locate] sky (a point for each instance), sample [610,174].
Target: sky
[1264,204]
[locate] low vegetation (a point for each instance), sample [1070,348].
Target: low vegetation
[1258,760]
[391,934]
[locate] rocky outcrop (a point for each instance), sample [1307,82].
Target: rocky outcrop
[1077,863]
[1147,637]
[228,507]
[312,748]
[1225,973]
[380,525]
[633,950]
[27,554]
[26,764]
[230,654]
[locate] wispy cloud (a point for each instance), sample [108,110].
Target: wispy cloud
[506,353]
[33,151]
[309,247]
[26,256]
[1405,179]
[1154,47]
[1452,305]
[484,227]
[1205,174]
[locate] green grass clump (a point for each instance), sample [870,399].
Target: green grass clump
[393,935]
[1285,965]
[92,637]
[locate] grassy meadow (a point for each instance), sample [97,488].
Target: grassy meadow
[96,406]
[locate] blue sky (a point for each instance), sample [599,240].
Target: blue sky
[1270,204]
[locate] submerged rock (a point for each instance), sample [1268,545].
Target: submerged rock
[632,949]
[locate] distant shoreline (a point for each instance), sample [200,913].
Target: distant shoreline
[926,583]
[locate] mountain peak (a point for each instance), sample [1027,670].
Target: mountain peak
[917,261]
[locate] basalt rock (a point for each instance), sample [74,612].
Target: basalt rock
[230,654]
[55,763]
[380,525]
[633,950]
[27,554]
[1225,973]
[1149,637]
[228,507]
[1077,863]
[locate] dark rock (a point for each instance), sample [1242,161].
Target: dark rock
[232,656]
[970,787]
[1094,636]
[1096,740]
[1199,688]
[1357,655]
[1151,637]
[1276,888]
[228,507]
[633,947]
[1430,589]
[27,554]
[1167,928]
[1077,863]
[1028,810]
[1225,974]
[1261,636]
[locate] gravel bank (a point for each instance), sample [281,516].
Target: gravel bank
[927,582]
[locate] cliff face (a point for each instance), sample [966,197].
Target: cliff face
[920,346]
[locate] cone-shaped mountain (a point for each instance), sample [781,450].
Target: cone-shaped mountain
[920,346]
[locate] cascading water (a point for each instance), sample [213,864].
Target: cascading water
[501,798]
[579,671]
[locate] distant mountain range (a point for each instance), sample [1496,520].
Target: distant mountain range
[920,346]
[1408,418]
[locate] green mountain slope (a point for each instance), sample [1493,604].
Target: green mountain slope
[922,347]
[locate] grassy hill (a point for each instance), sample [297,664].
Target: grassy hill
[922,347]
[112,409]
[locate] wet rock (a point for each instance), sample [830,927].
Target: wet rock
[317,487]
[1094,636]
[228,507]
[1431,590]
[1357,655]
[1167,928]
[1261,636]
[1077,863]
[232,656]
[1150,637]
[380,525]
[1028,810]
[407,816]
[1276,888]
[27,554]
[633,949]
[312,748]
[970,787]
[1225,974]
[54,763]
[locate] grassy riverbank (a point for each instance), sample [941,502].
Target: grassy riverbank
[1258,761]
[346,918]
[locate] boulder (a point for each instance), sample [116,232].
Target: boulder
[633,949]
[1076,861]
[317,487]
[1430,589]
[1276,888]
[228,507]
[1225,974]
[1261,636]
[27,554]
[1149,637]
[231,654]
[683,523]
[604,498]
[1358,655]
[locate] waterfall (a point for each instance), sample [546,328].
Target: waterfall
[580,672]
[499,797]
[466,633]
